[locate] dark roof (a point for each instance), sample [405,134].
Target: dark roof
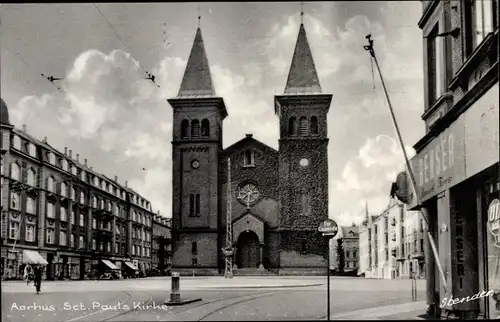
[302,78]
[4,113]
[347,229]
[248,138]
[197,80]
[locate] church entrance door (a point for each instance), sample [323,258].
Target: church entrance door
[248,252]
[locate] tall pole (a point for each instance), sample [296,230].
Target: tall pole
[229,225]
[328,283]
[423,210]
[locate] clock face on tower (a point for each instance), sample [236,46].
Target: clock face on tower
[304,162]
[195,164]
[247,194]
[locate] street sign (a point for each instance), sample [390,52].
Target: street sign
[328,228]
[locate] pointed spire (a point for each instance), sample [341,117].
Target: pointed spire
[197,80]
[302,78]
[366,210]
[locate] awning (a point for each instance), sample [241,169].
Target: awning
[109,264]
[132,266]
[33,257]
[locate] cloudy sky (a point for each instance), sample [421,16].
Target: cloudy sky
[107,112]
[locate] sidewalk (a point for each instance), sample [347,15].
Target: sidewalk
[406,311]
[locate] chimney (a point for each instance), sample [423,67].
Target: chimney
[126,184]
[85,162]
[24,128]
[91,168]
[65,150]
[70,154]
[44,139]
[77,157]
[116,179]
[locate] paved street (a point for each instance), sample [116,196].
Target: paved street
[241,298]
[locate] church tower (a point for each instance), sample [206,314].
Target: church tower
[303,164]
[197,141]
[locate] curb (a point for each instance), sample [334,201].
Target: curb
[255,286]
[378,313]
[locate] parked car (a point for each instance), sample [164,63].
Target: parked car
[110,275]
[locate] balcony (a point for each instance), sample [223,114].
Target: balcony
[393,221]
[418,255]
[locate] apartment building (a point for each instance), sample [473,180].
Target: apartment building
[162,243]
[350,246]
[457,161]
[75,218]
[391,244]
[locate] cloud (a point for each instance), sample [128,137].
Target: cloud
[367,176]
[107,109]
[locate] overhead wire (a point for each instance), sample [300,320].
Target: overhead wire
[150,76]
[18,56]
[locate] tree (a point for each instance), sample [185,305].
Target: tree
[340,255]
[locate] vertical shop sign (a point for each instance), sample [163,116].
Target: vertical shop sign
[494,258]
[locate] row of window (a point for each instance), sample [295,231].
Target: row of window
[30,174]
[194,130]
[141,234]
[30,233]
[116,210]
[481,20]
[303,126]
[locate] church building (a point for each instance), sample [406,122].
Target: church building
[276,199]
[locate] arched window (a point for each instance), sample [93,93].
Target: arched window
[50,184]
[31,177]
[64,189]
[292,126]
[94,202]
[303,126]
[52,158]
[96,182]
[185,129]
[82,197]
[205,128]
[32,150]
[73,194]
[194,248]
[314,125]
[15,172]
[195,129]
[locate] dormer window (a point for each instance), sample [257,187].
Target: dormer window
[96,182]
[249,158]
[16,142]
[83,176]
[32,150]
[52,158]
[73,170]
[73,194]
[64,164]
[15,172]
[103,185]
[82,197]
[94,202]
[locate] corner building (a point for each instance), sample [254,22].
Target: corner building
[75,218]
[457,161]
[278,198]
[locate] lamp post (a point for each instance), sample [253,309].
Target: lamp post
[329,229]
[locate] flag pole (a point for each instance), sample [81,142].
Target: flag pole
[423,210]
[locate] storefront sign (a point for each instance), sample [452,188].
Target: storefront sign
[493,218]
[441,164]
[482,126]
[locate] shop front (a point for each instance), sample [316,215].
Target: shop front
[457,180]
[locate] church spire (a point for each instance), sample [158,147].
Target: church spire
[197,80]
[302,78]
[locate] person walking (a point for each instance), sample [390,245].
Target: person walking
[28,274]
[38,278]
